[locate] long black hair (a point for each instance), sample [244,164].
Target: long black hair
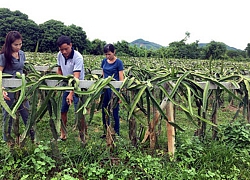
[11,37]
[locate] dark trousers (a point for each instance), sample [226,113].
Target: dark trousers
[23,110]
[105,104]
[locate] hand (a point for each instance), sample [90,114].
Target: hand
[5,96]
[69,99]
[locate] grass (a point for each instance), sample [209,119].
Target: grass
[227,157]
[194,159]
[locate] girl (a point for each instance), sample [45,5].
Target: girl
[12,60]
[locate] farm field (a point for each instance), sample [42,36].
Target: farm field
[211,123]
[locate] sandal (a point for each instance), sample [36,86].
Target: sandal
[61,139]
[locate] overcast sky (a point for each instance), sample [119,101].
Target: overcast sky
[158,21]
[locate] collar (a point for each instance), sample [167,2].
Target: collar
[70,56]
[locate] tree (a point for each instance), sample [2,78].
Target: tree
[15,20]
[97,47]
[45,34]
[78,37]
[134,50]
[233,54]
[247,49]
[193,50]
[50,31]
[87,48]
[177,49]
[122,48]
[215,50]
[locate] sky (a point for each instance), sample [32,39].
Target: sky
[158,21]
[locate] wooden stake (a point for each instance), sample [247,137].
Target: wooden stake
[170,129]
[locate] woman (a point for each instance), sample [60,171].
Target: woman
[111,66]
[12,60]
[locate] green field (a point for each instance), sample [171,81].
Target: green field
[211,125]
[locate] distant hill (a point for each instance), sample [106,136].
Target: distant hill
[146,44]
[151,45]
[228,47]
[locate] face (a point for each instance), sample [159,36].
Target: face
[110,55]
[65,49]
[16,45]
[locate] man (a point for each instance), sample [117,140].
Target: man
[69,62]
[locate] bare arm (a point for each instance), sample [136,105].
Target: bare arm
[121,76]
[1,68]
[76,75]
[59,70]
[5,94]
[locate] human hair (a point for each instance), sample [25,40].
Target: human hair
[62,40]
[109,47]
[11,37]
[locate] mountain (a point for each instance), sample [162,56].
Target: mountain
[228,47]
[152,45]
[146,44]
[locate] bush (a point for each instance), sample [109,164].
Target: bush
[236,134]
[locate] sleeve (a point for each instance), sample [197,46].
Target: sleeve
[58,59]
[2,60]
[24,57]
[78,65]
[120,66]
[102,64]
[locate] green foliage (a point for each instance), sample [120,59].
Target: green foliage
[237,134]
[52,29]
[78,36]
[211,159]
[15,20]
[180,49]
[215,50]
[97,47]
[248,50]
[235,54]
[22,164]
[195,158]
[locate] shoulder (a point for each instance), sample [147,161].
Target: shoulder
[21,52]
[103,63]
[120,64]
[119,61]
[1,55]
[22,55]
[59,55]
[2,60]
[78,54]
[104,60]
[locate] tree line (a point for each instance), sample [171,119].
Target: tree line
[42,38]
